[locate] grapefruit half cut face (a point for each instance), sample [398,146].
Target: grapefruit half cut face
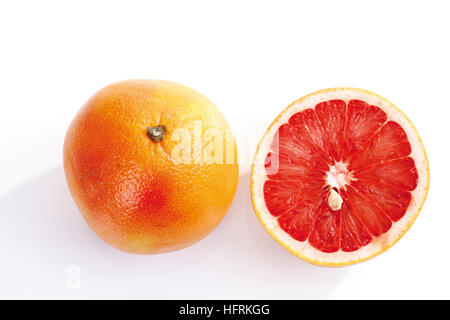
[339,176]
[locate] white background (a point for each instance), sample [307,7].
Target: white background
[252,58]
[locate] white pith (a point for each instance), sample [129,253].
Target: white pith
[338,175]
[304,249]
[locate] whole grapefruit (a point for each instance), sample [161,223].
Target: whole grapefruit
[151,165]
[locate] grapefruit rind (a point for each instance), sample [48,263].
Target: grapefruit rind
[378,245]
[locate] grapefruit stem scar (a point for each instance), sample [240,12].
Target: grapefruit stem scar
[156,133]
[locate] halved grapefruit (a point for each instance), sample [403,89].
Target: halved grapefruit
[339,176]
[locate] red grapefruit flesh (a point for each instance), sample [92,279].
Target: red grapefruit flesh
[339,177]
